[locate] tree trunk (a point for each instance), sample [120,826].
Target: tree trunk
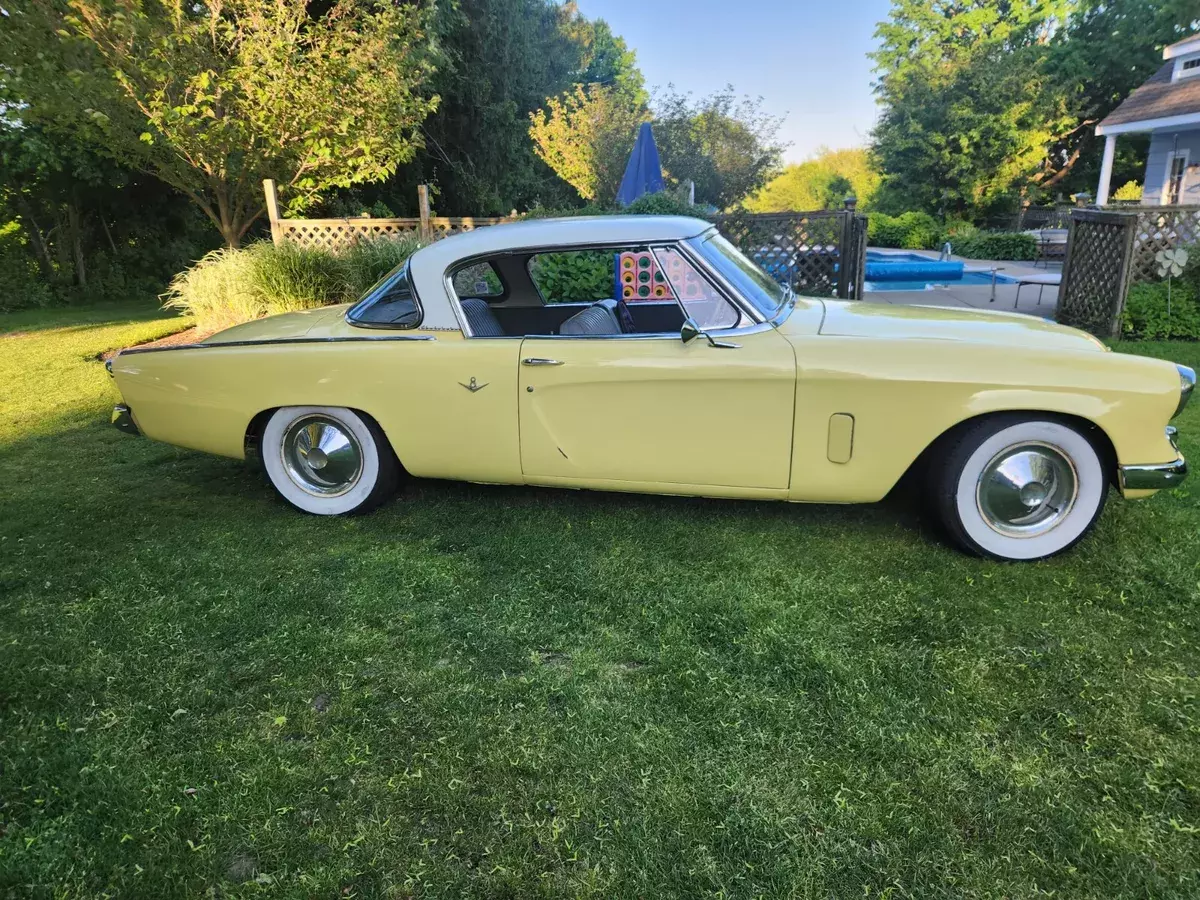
[74,220]
[42,252]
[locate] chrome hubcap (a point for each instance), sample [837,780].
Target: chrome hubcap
[1026,490]
[321,456]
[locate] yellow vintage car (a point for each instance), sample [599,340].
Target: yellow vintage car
[647,354]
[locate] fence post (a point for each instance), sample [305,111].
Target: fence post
[426,229]
[273,210]
[846,249]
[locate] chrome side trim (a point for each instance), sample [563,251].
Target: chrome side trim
[263,341]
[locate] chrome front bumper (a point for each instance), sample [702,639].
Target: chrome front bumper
[122,419]
[1158,477]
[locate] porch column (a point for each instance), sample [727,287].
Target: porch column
[1106,167]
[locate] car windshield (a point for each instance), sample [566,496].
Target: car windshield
[391,303]
[752,282]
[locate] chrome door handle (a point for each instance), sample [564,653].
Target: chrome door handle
[538,361]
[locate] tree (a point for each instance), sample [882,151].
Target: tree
[989,101]
[213,97]
[1107,49]
[820,183]
[968,109]
[586,135]
[500,61]
[728,147]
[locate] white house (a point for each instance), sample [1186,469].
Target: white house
[1168,107]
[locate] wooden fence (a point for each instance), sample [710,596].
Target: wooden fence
[821,253]
[339,234]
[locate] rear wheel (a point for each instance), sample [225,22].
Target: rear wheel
[328,460]
[1018,488]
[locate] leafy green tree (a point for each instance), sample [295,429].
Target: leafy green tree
[820,183]
[1107,49]
[968,108]
[212,97]
[988,101]
[500,61]
[586,135]
[727,146]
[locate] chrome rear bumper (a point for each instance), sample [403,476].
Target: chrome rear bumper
[1157,477]
[122,419]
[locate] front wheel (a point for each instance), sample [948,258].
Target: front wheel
[328,460]
[1018,488]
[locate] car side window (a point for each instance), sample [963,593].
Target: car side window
[478,280]
[699,298]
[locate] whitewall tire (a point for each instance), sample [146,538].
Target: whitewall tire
[1018,487]
[328,460]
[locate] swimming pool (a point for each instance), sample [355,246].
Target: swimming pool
[921,278]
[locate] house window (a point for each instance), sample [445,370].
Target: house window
[1176,177]
[1187,67]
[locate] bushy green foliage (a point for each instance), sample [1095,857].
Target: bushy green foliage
[1152,313]
[574,276]
[1008,245]
[910,231]
[820,183]
[664,203]
[986,101]
[20,287]
[1130,192]
[230,286]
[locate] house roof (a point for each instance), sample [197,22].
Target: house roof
[1159,98]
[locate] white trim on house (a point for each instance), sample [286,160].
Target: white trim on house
[1150,124]
[1183,48]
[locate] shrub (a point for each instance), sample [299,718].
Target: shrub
[957,230]
[20,286]
[1146,316]
[369,260]
[999,245]
[228,287]
[574,275]
[1129,192]
[910,231]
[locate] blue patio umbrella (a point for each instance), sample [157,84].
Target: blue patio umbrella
[643,174]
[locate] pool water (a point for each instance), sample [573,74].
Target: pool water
[978,278]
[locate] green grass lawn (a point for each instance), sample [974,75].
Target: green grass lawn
[506,692]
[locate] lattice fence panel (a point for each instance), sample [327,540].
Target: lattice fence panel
[1158,229]
[1097,271]
[801,249]
[340,234]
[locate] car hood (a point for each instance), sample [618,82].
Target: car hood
[327,321]
[939,323]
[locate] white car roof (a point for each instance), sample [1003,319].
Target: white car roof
[428,266]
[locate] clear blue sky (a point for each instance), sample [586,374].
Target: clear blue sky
[805,58]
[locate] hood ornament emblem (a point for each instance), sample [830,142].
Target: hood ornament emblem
[474,386]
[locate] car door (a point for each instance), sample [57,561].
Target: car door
[658,413]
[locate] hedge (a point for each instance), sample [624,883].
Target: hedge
[1007,245]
